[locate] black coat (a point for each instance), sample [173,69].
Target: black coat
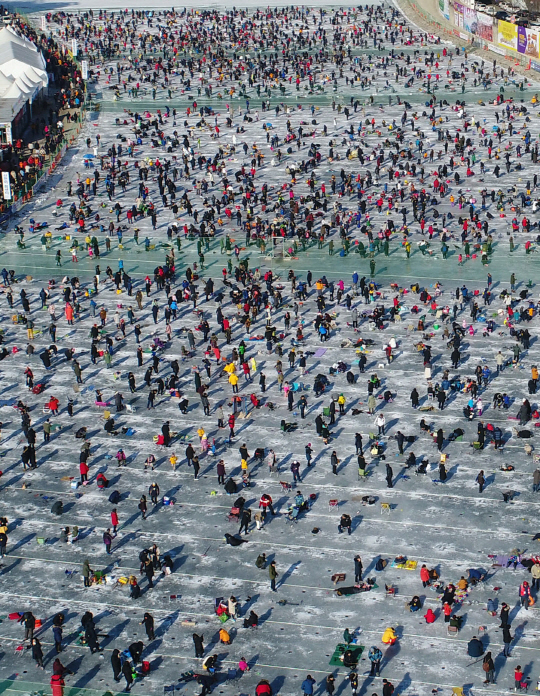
[233,541]
[37,652]
[127,669]
[91,637]
[136,650]
[148,622]
[116,664]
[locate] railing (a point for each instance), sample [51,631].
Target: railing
[36,181]
[19,686]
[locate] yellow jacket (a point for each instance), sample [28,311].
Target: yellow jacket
[388,636]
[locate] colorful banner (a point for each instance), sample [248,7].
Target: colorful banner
[469,20]
[458,14]
[485,26]
[507,35]
[527,42]
[444,8]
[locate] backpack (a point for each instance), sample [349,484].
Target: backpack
[381,564]
[114,497]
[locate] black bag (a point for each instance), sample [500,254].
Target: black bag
[114,497]
[381,564]
[57,508]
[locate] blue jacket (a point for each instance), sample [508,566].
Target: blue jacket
[307,686]
[375,654]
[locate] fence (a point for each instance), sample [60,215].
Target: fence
[36,182]
[10,687]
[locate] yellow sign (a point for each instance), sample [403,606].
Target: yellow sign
[507,35]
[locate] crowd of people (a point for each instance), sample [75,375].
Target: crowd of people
[30,152]
[302,137]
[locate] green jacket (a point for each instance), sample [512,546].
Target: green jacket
[272,572]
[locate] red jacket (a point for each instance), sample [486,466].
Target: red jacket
[265,501]
[114,518]
[263,689]
[57,685]
[231,421]
[83,468]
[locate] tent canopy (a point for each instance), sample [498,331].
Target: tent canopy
[23,70]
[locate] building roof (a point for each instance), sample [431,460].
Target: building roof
[23,72]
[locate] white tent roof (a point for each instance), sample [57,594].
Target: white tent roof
[22,67]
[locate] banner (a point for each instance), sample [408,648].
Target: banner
[43,23]
[507,35]
[469,20]
[74,47]
[6,185]
[84,69]
[527,42]
[458,14]
[485,26]
[444,8]
[496,49]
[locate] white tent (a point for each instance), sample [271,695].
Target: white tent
[23,72]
